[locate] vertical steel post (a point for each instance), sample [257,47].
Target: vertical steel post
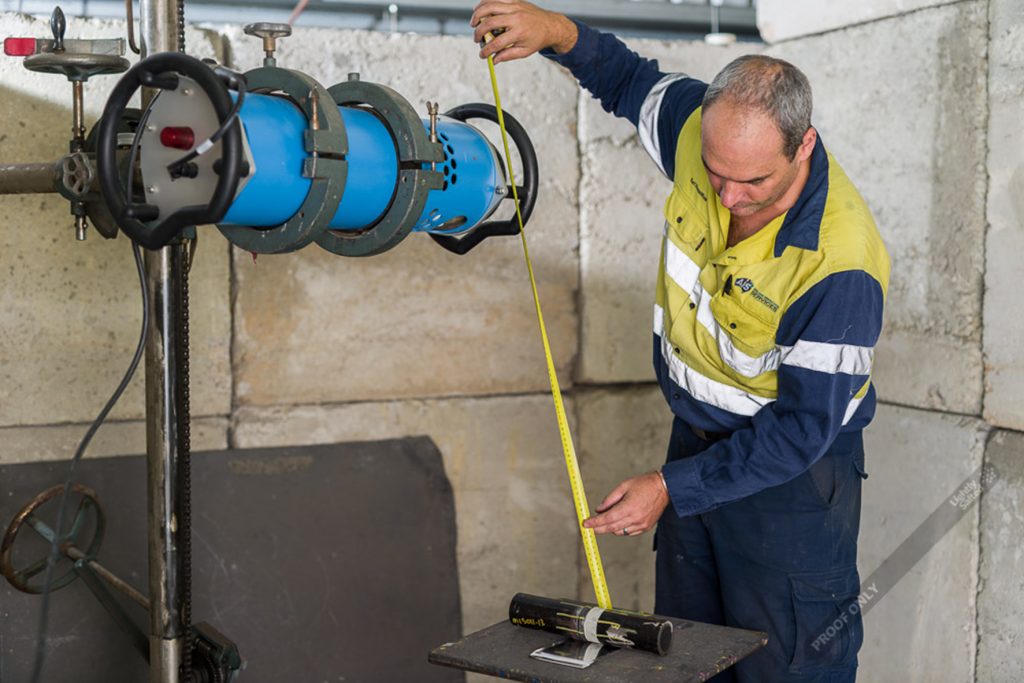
[164,272]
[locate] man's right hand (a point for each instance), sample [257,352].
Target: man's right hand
[525,29]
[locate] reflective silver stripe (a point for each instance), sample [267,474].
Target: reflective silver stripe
[715,393]
[705,389]
[830,358]
[649,111]
[686,274]
[852,408]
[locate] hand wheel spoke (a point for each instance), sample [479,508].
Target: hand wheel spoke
[80,515]
[31,570]
[40,527]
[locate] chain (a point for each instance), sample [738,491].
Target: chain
[181,25]
[185,466]
[184,437]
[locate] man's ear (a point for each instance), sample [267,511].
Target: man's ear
[803,152]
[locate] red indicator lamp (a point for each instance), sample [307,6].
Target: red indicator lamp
[178,137]
[19,47]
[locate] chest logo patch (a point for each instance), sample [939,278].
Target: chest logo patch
[747,285]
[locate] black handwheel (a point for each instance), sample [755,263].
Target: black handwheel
[141,221]
[527,191]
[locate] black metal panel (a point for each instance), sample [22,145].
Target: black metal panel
[698,652]
[323,563]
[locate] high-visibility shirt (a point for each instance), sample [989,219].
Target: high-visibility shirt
[771,339]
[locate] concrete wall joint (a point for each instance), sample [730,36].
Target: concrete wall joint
[986,135]
[869,22]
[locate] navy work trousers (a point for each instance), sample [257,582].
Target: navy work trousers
[783,561]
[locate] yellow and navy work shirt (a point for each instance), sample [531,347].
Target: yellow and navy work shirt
[771,339]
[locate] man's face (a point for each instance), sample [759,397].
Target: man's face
[742,151]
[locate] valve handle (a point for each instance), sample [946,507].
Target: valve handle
[527,191]
[265,29]
[140,221]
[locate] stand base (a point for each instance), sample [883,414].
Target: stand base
[699,651]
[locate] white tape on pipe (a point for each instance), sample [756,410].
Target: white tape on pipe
[590,624]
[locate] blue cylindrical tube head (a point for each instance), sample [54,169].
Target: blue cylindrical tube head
[474,181]
[474,178]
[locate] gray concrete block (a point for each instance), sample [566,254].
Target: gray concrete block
[70,311]
[417,321]
[623,433]
[516,523]
[58,442]
[779,20]
[906,120]
[910,371]
[923,628]
[1001,591]
[621,198]
[1004,326]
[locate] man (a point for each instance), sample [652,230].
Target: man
[769,303]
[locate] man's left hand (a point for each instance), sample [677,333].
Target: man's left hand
[633,507]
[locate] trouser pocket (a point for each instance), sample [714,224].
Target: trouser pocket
[829,630]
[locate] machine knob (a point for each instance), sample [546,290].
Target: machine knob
[269,32]
[58,24]
[81,63]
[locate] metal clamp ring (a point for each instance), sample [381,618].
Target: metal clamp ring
[414,182]
[328,145]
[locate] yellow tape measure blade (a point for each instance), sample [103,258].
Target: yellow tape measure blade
[579,495]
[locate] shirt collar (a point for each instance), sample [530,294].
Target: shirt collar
[802,224]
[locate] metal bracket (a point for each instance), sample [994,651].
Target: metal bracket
[414,181]
[327,144]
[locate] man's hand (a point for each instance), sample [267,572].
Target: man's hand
[524,29]
[632,507]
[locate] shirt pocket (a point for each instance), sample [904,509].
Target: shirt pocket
[742,330]
[688,225]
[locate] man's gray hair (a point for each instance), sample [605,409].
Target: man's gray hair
[770,85]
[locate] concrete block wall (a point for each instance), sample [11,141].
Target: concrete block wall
[907,121]
[920,102]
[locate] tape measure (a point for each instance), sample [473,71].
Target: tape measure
[579,496]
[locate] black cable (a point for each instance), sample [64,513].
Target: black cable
[207,145]
[54,555]
[140,348]
[129,177]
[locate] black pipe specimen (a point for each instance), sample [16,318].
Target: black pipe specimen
[588,622]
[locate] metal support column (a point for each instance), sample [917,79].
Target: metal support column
[164,272]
